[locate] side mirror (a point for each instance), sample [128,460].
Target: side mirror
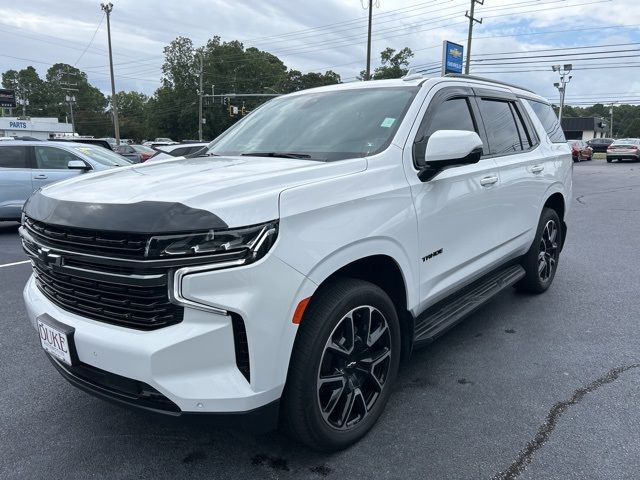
[77,165]
[446,149]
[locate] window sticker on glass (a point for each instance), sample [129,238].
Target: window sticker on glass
[387,122]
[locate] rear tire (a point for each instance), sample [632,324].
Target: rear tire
[344,362]
[541,261]
[609,160]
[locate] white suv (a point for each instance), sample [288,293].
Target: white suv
[293,268]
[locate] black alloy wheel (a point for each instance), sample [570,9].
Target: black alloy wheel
[354,367]
[344,362]
[540,263]
[549,250]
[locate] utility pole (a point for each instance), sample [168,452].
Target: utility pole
[565,78]
[108,7]
[472,19]
[200,93]
[69,97]
[611,122]
[367,74]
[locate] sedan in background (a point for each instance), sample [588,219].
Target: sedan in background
[624,149]
[128,152]
[580,150]
[25,166]
[145,152]
[600,145]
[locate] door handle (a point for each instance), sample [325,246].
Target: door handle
[537,168]
[488,181]
[41,176]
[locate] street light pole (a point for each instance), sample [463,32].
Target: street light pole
[108,7]
[565,78]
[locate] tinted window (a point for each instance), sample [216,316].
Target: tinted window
[13,156]
[525,137]
[549,121]
[500,124]
[453,114]
[51,158]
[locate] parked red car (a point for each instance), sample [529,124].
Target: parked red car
[580,150]
[145,152]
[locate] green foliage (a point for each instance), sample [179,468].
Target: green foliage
[172,111]
[394,64]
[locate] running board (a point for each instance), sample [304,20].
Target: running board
[445,314]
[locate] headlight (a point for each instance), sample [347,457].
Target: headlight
[250,243]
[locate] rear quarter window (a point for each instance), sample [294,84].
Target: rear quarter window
[549,120]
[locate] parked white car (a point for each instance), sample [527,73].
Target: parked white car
[290,271]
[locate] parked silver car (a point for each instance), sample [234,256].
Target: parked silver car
[27,166]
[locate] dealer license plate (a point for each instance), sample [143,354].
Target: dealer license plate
[55,342]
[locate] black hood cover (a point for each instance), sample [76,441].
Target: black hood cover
[140,217]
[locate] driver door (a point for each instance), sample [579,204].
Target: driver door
[455,209]
[52,165]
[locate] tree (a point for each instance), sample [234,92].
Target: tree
[295,80]
[90,104]
[394,64]
[632,129]
[132,114]
[27,84]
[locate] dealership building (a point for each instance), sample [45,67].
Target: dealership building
[584,128]
[42,128]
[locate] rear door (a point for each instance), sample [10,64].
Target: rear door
[525,172]
[51,165]
[15,180]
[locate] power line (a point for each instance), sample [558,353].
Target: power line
[90,41]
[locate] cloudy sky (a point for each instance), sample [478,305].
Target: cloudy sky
[518,40]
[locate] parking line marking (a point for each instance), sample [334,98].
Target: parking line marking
[14,263]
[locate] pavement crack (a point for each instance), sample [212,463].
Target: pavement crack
[580,198]
[546,429]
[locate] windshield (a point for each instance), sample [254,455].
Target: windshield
[323,126]
[102,155]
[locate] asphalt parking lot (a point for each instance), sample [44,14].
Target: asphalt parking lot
[531,387]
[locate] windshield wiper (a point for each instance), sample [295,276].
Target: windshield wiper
[276,154]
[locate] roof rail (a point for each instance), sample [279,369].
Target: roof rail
[490,80]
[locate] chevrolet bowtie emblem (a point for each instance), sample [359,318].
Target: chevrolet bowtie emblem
[49,258]
[456,53]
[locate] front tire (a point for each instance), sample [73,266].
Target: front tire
[344,362]
[541,261]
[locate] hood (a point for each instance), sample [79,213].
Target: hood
[180,194]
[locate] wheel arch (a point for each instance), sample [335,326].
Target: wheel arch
[382,268]
[556,201]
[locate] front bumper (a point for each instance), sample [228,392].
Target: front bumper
[193,363]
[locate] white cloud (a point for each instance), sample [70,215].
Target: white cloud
[42,31]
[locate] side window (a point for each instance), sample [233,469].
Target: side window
[525,136]
[13,156]
[549,121]
[52,158]
[502,131]
[453,114]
